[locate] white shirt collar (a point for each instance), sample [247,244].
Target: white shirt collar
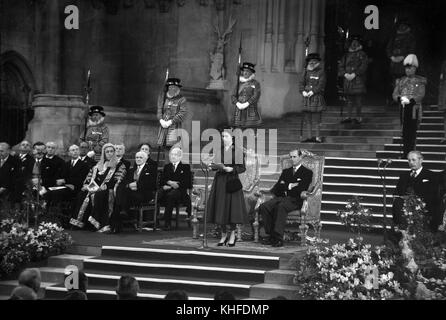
[297,167]
[46,156]
[418,172]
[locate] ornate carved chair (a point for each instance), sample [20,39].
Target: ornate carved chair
[250,180]
[310,214]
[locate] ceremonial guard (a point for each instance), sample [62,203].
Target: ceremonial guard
[172,110]
[246,98]
[409,92]
[312,87]
[353,67]
[399,47]
[97,132]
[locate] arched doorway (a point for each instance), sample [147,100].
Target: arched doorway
[17,87]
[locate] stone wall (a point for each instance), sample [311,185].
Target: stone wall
[128,51]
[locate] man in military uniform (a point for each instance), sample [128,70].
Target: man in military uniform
[409,92]
[312,87]
[97,132]
[353,67]
[172,110]
[246,114]
[400,46]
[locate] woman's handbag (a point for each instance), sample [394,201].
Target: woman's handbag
[233,185]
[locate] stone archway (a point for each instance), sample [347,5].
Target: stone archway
[17,87]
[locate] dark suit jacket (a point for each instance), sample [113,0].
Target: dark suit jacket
[25,168]
[181,175]
[425,186]
[125,162]
[51,170]
[303,176]
[441,196]
[146,182]
[89,161]
[8,173]
[75,175]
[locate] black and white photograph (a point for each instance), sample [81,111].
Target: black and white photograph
[238,150]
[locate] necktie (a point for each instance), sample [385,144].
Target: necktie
[137,172]
[175,167]
[413,173]
[36,169]
[2,161]
[72,163]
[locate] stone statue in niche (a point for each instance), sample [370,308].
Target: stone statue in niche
[218,72]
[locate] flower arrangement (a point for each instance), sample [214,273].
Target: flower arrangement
[414,268]
[350,271]
[355,217]
[20,244]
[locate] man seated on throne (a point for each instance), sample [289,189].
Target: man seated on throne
[290,191]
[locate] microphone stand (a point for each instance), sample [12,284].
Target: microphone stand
[205,170]
[382,173]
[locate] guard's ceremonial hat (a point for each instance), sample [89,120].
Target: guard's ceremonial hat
[313,56]
[173,82]
[96,109]
[248,66]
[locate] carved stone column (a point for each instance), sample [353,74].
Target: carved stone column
[57,118]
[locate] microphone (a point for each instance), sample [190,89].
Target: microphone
[380,161]
[389,161]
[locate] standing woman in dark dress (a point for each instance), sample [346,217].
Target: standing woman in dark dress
[226,206]
[95,202]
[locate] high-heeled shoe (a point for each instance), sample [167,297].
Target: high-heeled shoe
[232,243]
[224,240]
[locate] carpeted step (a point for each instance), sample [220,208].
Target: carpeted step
[199,287]
[193,257]
[172,269]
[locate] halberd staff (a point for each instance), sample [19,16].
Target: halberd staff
[88,90]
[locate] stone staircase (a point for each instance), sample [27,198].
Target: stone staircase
[248,275]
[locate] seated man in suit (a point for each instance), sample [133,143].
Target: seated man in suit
[83,154]
[420,182]
[8,173]
[138,188]
[175,181]
[120,151]
[24,175]
[73,175]
[289,191]
[51,167]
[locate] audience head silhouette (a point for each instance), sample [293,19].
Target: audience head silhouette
[224,295]
[127,288]
[176,295]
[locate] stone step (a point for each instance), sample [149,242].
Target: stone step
[428,155]
[51,274]
[379,126]
[281,277]
[267,291]
[421,140]
[420,147]
[64,260]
